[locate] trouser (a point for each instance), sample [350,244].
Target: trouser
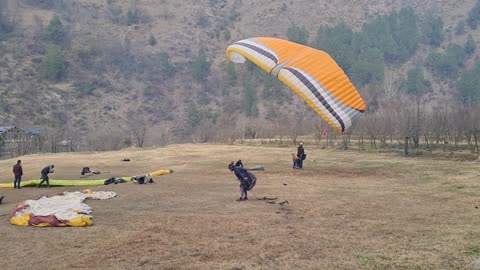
[295,164]
[243,191]
[16,182]
[44,179]
[300,163]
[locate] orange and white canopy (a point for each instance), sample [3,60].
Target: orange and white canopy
[310,73]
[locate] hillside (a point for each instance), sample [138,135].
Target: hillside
[115,81]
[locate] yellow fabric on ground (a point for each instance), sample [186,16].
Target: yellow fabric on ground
[21,220]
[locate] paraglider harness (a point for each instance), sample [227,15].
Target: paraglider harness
[141,179]
[248,183]
[85,170]
[114,180]
[251,182]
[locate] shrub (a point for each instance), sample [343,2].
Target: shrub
[152,41]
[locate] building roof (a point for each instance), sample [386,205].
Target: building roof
[6,128]
[33,131]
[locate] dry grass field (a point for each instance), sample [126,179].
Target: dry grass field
[346,210]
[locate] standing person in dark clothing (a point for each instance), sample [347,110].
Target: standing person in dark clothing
[301,156]
[45,171]
[244,178]
[18,172]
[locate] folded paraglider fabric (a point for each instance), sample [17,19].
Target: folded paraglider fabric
[67,209]
[160,172]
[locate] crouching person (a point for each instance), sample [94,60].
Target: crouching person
[45,171]
[245,180]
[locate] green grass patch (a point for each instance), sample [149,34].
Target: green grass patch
[371,261]
[452,188]
[473,250]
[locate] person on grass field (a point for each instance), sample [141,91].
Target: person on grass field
[247,180]
[18,172]
[45,171]
[301,156]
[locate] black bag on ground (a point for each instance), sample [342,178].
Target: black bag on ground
[110,181]
[120,181]
[85,170]
[139,179]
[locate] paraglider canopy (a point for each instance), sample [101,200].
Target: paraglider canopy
[310,73]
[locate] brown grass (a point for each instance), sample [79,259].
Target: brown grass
[347,210]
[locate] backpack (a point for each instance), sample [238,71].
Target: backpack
[252,182]
[110,181]
[85,170]
[120,181]
[139,179]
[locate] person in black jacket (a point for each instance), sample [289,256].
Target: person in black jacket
[45,171]
[300,155]
[18,172]
[245,180]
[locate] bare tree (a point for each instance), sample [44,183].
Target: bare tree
[53,136]
[391,83]
[139,130]
[407,126]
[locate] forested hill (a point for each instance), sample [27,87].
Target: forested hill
[104,72]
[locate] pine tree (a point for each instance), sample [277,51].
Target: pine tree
[470,45]
[200,67]
[250,99]
[152,41]
[432,30]
[474,16]
[55,30]
[298,34]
